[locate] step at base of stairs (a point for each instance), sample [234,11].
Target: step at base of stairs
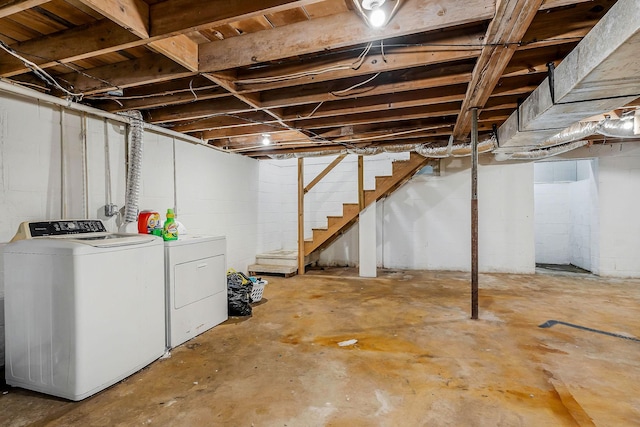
[286,270]
[280,262]
[282,257]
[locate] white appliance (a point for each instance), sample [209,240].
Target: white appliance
[196,285]
[84,308]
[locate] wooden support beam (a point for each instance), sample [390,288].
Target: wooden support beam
[337,31]
[180,49]
[301,263]
[444,76]
[145,70]
[512,19]
[132,15]
[324,173]
[71,45]
[395,58]
[175,16]
[9,7]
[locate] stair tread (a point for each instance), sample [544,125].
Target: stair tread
[272,268]
[279,254]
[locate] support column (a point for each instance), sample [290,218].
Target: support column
[367,242]
[301,263]
[474,214]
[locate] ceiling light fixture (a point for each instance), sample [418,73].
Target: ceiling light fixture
[266,139]
[378,16]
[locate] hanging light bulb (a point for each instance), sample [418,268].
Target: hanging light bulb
[266,139]
[378,18]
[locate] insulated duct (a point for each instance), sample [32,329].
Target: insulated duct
[458,150]
[134,174]
[571,138]
[542,153]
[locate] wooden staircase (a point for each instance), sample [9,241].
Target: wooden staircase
[402,171]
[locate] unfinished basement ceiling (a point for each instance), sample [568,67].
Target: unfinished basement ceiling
[309,74]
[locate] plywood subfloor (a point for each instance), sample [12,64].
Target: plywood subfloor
[418,361]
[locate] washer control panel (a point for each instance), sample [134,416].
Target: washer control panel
[29,230]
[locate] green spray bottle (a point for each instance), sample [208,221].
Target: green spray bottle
[170,229]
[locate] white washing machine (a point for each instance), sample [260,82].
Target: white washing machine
[196,285]
[84,308]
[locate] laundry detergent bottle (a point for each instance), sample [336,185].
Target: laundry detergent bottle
[170,229]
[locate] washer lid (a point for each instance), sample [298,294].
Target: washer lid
[105,240]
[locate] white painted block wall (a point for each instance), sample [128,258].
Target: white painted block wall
[426,223]
[566,212]
[553,222]
[215,193]
[619,211]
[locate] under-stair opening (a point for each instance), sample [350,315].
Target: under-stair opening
[566,214]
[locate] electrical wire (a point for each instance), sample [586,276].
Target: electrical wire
[355,86]
[39,72]
[340,67]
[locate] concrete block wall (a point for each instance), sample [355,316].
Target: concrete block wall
[279,180]
[566,212]
[553,223]
[426,223]
[619,210]
[215,193]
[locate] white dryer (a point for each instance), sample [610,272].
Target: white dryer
[196,285]
[84,308]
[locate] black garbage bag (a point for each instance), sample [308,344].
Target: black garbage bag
[239,293]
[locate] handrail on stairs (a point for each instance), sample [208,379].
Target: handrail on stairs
[302,190]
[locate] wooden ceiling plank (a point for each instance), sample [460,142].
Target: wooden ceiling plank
[108,36]
[132,15]
[149,69]
[550,4]
[180,49]
[405,99]
[197,110]
[178,16]
[337,31]
[11,7]
[512,20]
[446,76]
[237,131]
[394,59]
[382,116]
[72,45]
[114,104]
[219,122]
[39,22]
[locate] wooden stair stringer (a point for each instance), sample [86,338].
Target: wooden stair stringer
[403,170]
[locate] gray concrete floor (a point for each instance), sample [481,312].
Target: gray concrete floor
[418,360]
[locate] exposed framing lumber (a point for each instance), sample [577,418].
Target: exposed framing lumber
[9,7]
[337,31]
[451,75]
[180,49]
[510,23]
[394,59]
[132,15]
[179,16]
[325,172]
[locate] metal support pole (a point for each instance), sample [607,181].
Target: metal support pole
[301,263]
[474,214]
[361,182]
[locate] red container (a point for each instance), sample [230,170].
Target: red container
[147,221]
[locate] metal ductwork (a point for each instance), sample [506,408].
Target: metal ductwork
[600,75]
